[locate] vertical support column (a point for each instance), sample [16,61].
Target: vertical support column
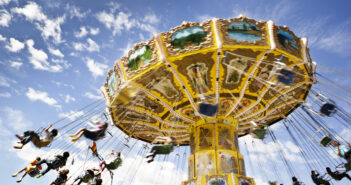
[215,153]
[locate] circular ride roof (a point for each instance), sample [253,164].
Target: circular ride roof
[255,72]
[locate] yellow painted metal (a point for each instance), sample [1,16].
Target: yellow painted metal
[215,154]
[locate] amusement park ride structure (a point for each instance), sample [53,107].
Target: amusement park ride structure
[205,85]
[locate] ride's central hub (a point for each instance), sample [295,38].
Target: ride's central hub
[215,156]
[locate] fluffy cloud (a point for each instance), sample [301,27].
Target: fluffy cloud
[72,115]
[5,18]
[94,31]
[35,95]
[116,23]
[2,38]
[50,28]
[15,64]
[6,82]
[5,95]
[82,33]
[69,98]
[14,45]
[15,119]
[4,2]
[96,68]
[93,96]
[56,52]
[39,58]
[76,12]
[90,46]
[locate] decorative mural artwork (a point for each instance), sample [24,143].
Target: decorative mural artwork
[139,58]
[216,181]
[139,117]
[234,70]
[243,181]
[285,76]
[224,105]
[244,31]
[228,163]
[225,138]
[263,75]
[205,140]
[242,104]
[148,104]
[113,82]
[198,75]
[287,40]
[205,164]
[165,86]
[188,36]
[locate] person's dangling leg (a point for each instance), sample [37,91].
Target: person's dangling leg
[19,180]
[20,171]
[78,134]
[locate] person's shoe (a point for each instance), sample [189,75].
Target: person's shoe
[17,147]
[71,135]
[40,175]
[19,137]
[14,175]
[148,155]
[75,139]
[19,180]
[150,160]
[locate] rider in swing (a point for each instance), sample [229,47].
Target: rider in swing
[165,148]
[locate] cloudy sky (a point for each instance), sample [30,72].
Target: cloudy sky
[55,55]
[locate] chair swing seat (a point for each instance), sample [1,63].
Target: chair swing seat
[325,141]
[259,133]
[34,172]
[347,167]
[328,109]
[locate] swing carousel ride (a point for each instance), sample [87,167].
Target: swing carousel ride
[205,85]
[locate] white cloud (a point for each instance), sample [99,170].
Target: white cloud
[4,2]
[82,33]
[15,64]
[5,18]
[2,38]
[94,31]
[50,28]
[96,68]
[56,52]
[203,18]
[6,82]
[93,96]
[69,98]
[151,18]
[89,46]
[14,45]
[35,95]
[116,23]
[5,95]
[72,115]
[3,130]
[39,59]
[76,12]
[15,119]
[345,134]
[62,84]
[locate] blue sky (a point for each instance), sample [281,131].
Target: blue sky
[56,54]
